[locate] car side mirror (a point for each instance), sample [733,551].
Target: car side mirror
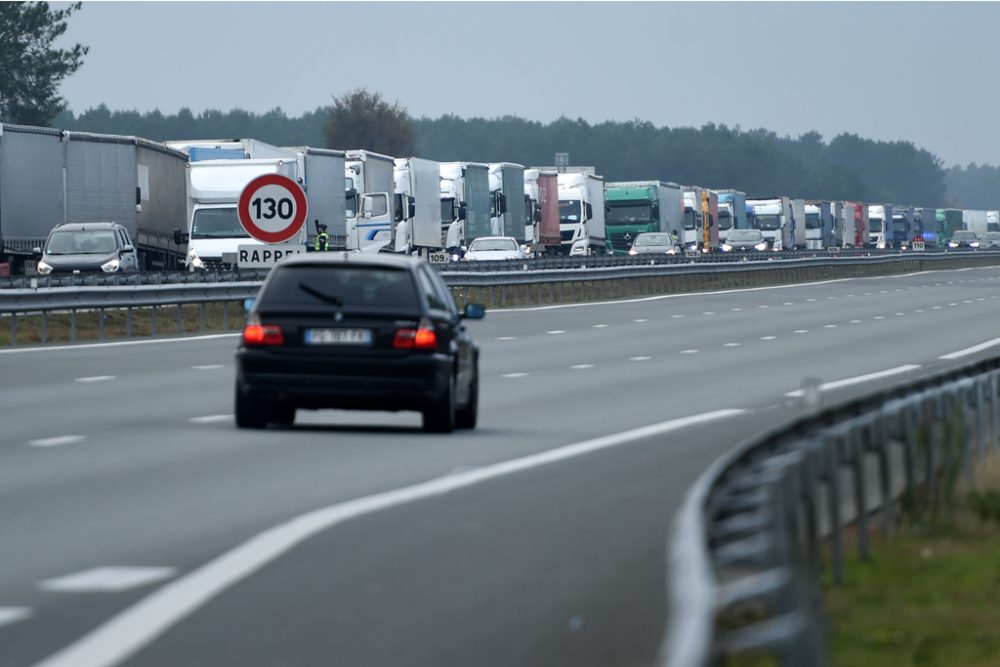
[128,248]
[248,304]
[474,311]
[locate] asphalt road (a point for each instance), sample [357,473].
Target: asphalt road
[140,527]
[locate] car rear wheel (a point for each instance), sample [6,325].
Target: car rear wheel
[250,412]
[282,414]
[466,417]
[440,417]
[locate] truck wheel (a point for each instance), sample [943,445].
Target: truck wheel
[440,417]
[466,417]
[250,412]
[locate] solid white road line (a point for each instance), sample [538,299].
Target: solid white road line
[971,350]
[859,379]
[96,378]
[211,419]
[112,579]
[132,629]
[57,441]
[123,343]
[10,615]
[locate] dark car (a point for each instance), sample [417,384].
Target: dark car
[745,240]
[964,239]
[357,332]
[87,247]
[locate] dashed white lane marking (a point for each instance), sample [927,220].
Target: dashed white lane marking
[641,319]
[971,350]
[208,367]
[900,314]
[96,378]
[830,298]
[708,312]
[952,304]
[676,317]
[849,296]
[883,291]
[10,615]
[810,300]
[919,310]
[802,331]
[211,419]
[736,310]
[868,293]
[600,326]
[580,367]
[768,337]
[112,579]
[858,380]
[879,317]
[515,375]
[829,326]
[690,351]
[937,307]
[556,332]
[57,441]
[731,345]
[130,630]
[789,303]
[967,301]
[763,306]
[855,321]
[639,358]
[506,338]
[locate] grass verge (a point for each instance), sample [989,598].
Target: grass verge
[930,596]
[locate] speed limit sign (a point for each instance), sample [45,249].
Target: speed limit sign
[272,208]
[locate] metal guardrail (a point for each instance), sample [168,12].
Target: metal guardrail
[744,556]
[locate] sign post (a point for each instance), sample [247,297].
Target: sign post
[272,209]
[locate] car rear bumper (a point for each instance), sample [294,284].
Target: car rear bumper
[413,382]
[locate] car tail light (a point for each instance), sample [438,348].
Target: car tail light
[422,338]
[263,334]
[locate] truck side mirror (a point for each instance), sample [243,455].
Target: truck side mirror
[397,207]
[502,203]
[462,211]
[590,211]
[538,216]
[180,237]
[411,208]
[655,210]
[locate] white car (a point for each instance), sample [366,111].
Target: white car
[494,247]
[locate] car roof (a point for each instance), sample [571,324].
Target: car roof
[352,258]
[80,226]
[495,238]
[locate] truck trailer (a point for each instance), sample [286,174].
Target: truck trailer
[541,197]
[464,196]
[581,214]
[49,177]
[507,200]
[417,183]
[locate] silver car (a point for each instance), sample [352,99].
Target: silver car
[654,243]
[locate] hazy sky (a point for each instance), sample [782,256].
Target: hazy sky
[923,72]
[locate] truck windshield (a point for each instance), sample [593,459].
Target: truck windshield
[447,211]
[812,221]
[621,214]
[899,225]
[529,211]
[875,225]
[771,222]
[81,242]
[725,220]
[351,202]
[217,223]
[569,211]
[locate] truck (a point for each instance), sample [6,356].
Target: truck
[949,220]
[507,200]
[904,227]
[581,214]
[464,196]
[417,185]
[975,221]
[825,224]
[732,212]
[993,221]
[634,207]
[49,177]
[541,201]
[814,227]
[773,217]
[370,212]
[701,230]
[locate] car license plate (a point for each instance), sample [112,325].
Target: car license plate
[338,337]
[438,258]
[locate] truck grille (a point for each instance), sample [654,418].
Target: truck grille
[619,242]
[566,235]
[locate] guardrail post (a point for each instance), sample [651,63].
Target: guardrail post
[201,314]
[72,325]
[225,316]
[857,453]
[180,313]
[994,386]
[45,326]
[833,447]
[100,324]
[152,321]
[13,328]
[879,444]
[128,321]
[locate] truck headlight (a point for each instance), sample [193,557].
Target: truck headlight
[974,244]
[43,268]
[952,244]
[111,266]
[761,246]
[726,247]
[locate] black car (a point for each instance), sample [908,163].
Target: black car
[87,247]
[357,332]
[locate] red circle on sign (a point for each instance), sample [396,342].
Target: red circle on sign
[301,208]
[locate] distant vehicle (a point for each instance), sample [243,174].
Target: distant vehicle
[636,207]
[91,247]
[964,239]
[990,240]
[357,332]
[494,247]
[581,214]
[654,243]
[741,240]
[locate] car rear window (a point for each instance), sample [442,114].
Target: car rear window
[339,285]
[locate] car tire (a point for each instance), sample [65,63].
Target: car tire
[250,412]
[466,416]
[283,415]
[440,417]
